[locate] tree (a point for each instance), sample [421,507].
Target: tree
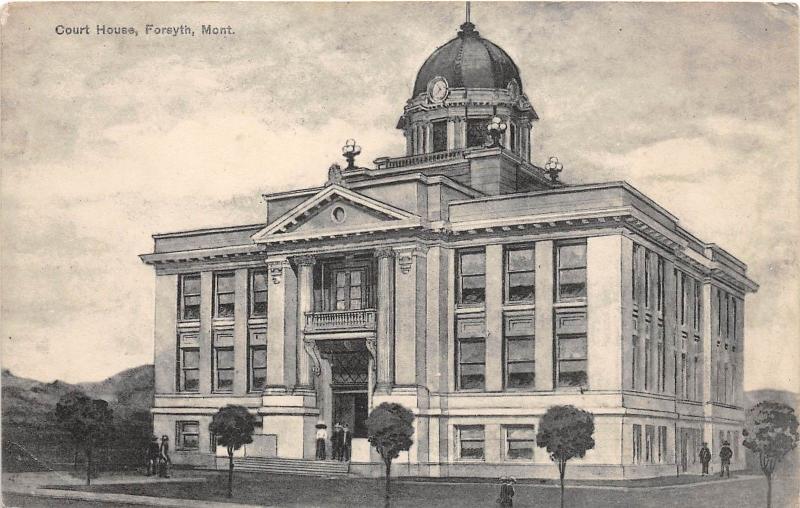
[771,433]
[88,421]
[389,430]
[566,433]
[233,427]
[67,409]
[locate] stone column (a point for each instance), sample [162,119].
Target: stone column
[277,269]
[240,332]
[205,338]
[385,319]
[604,310]
[494,318]
[409,354]
[164,332]
[305,303]
[707,339]
[543,316]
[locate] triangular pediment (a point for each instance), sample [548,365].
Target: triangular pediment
[336,211]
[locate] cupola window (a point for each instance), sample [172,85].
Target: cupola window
[440,136]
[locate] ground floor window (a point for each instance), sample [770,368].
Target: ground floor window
[471,442]
[662,444]
[649,443]
[520,442]
[187,435]
[637,444]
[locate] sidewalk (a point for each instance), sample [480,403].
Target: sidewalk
[34,484]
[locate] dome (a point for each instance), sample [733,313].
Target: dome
[468,61]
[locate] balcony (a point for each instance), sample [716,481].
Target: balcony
[340,321]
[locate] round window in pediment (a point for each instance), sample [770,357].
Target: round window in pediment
[338,215]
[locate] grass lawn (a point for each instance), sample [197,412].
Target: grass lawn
[284,490]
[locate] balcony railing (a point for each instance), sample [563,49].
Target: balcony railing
[340,320]
[413,160]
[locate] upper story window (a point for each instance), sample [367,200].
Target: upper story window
[190,297]
[189,368]
[698,305]
[684,292]
[224,303]
[439,136]
[519,274]
[512,136]
[734,308]
[477,133]
[223,368]
[647,270]
[720,312]
[660,284]
[258,293]
[571,275]
[471,277]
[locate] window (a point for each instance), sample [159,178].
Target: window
[720,312]
[440,136]
[223,369]
[189,369]
[647,360]
[471,442]
[350,289]
[471,364]
[519,276]
[258,293]
[649,443]
[698,305]
[728,304]
[635,272]
[662,444]
[683,296]
[258,367]
[572,360]
[661,360]
[471,277]
[571,271]
[734,307]
[696,379]
[634,360]
[224,295]
[187,435]
[519,362]
[190,297]
[477,132]
[725,385]
[520,442]
[660,284]
[734,391]
[647,270]
[637,444]
[512,135]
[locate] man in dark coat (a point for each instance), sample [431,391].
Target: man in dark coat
[165,464]
[336,441]
[506,499]
[152,456]
[725,455]
[705,457]
[347,443]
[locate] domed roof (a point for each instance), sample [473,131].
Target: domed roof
[468,61]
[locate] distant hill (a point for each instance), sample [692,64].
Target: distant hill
[755,396]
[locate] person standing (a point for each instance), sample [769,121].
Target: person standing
[322,436]
[336,442]
[705,457]
[725,455]
[153,452]
[165,464]
[347,443]
[506,499]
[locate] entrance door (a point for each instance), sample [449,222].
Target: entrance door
[351,408]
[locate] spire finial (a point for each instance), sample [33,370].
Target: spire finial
[468,12]
[467,28]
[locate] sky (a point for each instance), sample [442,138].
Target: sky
[107,139]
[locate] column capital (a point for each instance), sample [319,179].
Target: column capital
[275,267]
[304,260]
[406,255]
[384,252]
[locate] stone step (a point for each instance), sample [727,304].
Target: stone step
[292,466]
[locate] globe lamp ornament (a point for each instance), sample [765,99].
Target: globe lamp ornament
[497,127]
[349,151]
[553,168]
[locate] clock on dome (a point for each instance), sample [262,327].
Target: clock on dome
[438,89]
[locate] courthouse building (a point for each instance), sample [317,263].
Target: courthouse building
[465,282]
